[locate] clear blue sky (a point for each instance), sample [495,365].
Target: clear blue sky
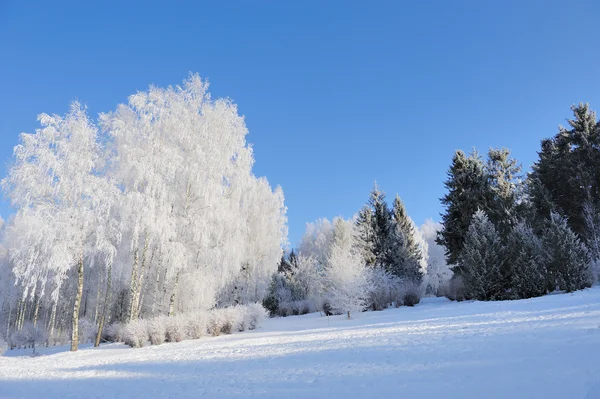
[336,94]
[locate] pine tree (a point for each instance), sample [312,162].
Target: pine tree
[404,253]
[480,259]
[373,229]
[567,173]
[567,258]
[524,272]
[467,186]
[366,235]
[504,190]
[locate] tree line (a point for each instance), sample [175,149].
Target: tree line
[510,236]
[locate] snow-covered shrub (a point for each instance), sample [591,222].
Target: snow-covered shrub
[28,336]
[216,322]
[59,338]
[136,333]
[383,288]
[254,315]
[157,330]
[115,332]
[455,289]
[176,327]
[196,325]
[87,331]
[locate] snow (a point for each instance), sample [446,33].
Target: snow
[546,347]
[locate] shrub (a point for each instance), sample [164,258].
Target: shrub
[157,330]
[455,289]
[115,332]
[411,299]
[255,314]
[175,329]
[136,333]
[87,331]
[196,326]
[59,338]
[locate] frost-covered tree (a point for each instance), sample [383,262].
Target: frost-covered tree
[56,179]
[592,223]
[373,226]
[438,273]
[347,277]
[505,189]
[525,271]
[159,210]
[405,254]
[566,257]
[480,259]
[317,240]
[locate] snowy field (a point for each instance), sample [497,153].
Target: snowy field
[538,348]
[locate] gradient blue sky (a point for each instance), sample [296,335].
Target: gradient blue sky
[336,94]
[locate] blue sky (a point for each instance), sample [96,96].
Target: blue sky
[336,94]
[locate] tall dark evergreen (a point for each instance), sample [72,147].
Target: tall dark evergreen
[567,173]
[374,226]
[467,186]
[404,253]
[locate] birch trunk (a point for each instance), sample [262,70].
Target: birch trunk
[75,331]
[172,301]
[133,287]
[105,307]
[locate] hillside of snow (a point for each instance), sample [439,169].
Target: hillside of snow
[546,347]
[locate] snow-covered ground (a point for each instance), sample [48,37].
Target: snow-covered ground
[539,348]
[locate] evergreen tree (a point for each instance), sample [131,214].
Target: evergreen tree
[373,228]
[567,258]
[467,186]
[524,272]
[480,259]
[504,190]
[366,235]
[404,253]
[567,173]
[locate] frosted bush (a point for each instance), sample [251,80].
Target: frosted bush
[28,336]
[176,327]
[157,330]
[135,333]
[384,288]
[255,314]
[87,331]
[196,325]
[116,332]
[189,326]
[59,338]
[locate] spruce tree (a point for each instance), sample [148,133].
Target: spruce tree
[504,190]
[480,259]
[404,253]
[467,186]
[567,173]
[366,235]
[524,272]
[373,228]
[567,258]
